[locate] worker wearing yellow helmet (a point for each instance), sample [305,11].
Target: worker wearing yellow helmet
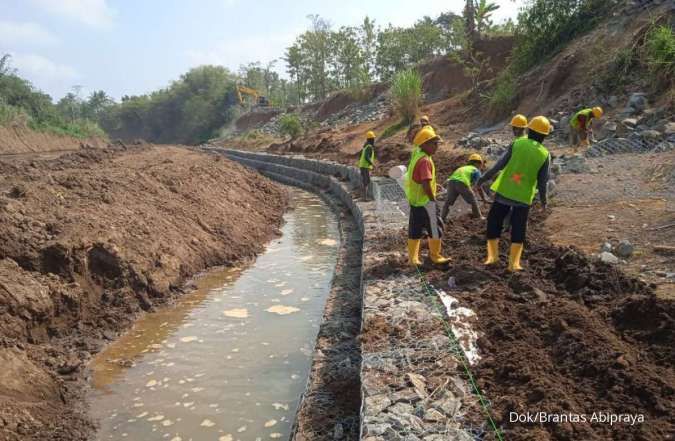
[461,182]
[525,168]
[581,127]
[420,188]
[518,125]
[367,162]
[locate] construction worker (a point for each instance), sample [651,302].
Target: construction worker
[420,189]
[518,125]
[367,162]
[581,128]
[461,182]
[525,166]
[424,121]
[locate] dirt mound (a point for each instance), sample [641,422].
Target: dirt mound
[443,76]
[91,239]
[254,119]
[19,139]
[570,336]
[341,99]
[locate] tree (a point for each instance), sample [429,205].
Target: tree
[483,12]
[368,41]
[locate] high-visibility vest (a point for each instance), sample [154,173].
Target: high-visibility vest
[415,193]
[574,122]
[518,179]
[363,163]
[463,174]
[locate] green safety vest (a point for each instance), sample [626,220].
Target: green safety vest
[574,122]
[415,193]
[463,174]
[518,179]
[362,159]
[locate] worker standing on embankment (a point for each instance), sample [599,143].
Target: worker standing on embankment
[581,127]
[518,125]
[420,189]
[525,167]
[367,162]
[460,183]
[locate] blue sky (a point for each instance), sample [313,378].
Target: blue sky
[136,46]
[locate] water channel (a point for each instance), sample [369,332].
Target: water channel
[230,360]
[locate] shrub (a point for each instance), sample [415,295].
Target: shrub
[618,71]
[501,99]
[12,115]
[659,49]
[289,124]
[392,130]
[406,89]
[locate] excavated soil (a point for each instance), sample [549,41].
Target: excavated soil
[92,239]
[569,335]
[19,139]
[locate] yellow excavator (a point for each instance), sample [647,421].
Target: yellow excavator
[258,100]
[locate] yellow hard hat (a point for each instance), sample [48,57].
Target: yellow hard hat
[540,124]
[424,135]
[475,157]
[370,135]
[424,118]
[519,121]
[597,112]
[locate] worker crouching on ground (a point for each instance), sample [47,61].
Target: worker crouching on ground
[420,189]
[525,167]
[581,127]
[461,182]
[367,162]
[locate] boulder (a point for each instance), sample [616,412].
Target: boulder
[651,135]
[606,248]
[624,249]
[629,122]
[608,257]
[669,128]
[638,101]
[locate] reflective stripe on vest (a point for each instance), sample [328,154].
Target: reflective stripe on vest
[415,193]
[574,122]
[463,174]
[362,159]
[518,179]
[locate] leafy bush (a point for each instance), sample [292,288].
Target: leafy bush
[659,51]
[289,124]
[545,26]
[12,115]
[406,88]
[501,99]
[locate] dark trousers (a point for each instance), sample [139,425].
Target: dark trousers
[495,221]
[454,190]
[425,219]
[365,178]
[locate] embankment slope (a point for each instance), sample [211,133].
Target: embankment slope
[91,239]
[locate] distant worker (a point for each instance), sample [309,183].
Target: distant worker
[525,166]
[367,162]
[420,189]
[581,127]
[518,125]
[424,121]
[460,183]
[414,129]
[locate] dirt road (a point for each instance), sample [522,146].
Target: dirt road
[91,239]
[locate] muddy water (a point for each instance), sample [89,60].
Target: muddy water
[231,360]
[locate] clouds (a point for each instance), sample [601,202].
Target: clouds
[93,13]
[25,33]
[46,73]
[234,52]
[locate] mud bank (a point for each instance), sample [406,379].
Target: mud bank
[570,336]
[92,239]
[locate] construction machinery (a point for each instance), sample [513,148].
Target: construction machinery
[258,100]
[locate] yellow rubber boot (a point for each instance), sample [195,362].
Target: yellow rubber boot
[492,252]
[435,252]
[514,257]
[414,252]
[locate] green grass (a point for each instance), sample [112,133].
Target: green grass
[393,129]
[80,129]
[659,51]
[289,124]
[406,89]
[11,114]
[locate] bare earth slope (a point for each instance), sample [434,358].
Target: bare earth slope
[88,241]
